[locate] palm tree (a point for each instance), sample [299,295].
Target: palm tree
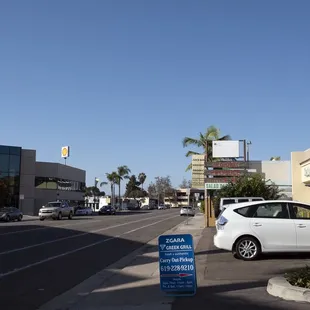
[113,179]
[204,141]
[142,178]
[123,173]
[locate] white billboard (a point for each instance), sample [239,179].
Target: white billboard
[225,149]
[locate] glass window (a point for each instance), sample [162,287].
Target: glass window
[4,149]
[13,180]
[301,212]
[243,200]
[228,201]
[51,183]
[242,211]
[272,210]
[14,150]
[4,163]
[14,166]
[40,182]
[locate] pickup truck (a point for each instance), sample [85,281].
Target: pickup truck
[56,210]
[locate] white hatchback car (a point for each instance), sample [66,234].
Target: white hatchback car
[251,228]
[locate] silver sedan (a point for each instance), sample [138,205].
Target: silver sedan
[187,210]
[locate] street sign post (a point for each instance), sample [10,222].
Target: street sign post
[177,265]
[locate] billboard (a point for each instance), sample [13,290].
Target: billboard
[198,171]
[225,149]
[65,151]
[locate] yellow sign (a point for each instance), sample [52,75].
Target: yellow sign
[198,171]
[65,151]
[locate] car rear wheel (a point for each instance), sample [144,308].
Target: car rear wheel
[7,218]
[247,248]
[20,217]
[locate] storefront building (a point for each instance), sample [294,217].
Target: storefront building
[301,176]
[27,184]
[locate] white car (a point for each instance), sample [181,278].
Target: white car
[84,211]
[187,210]
[161,207]
[251,228]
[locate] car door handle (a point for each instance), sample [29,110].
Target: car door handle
[301,226]
[257,224]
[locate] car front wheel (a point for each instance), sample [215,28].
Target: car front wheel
[247,248]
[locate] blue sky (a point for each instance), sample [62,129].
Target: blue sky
[122,82]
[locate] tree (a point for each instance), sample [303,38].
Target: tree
[186,183]
[253,185]
[92,191]
[204,141]
[142,178]
[113,179]
[275,158]
[160,188]
[133,190]
[123,173]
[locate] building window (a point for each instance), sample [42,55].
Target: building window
[40,182]
[59,184]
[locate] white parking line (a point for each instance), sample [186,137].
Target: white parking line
[77,235]
[56,226]
[79,249]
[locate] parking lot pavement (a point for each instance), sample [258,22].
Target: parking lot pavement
[225,282]
[40,260]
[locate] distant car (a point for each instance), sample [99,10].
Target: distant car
[187,210]
[8,214]
[56,210]
[161,207]
[107,210]
[84,211]
[146,207]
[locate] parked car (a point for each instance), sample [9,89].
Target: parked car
[107,210]
[161,207]
[187,210]
[251,228]
[56,210]
[84,211]
[8,214]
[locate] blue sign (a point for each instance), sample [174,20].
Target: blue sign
[177,265]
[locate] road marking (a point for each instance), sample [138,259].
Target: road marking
[75,236]
[79,249]
[56,226]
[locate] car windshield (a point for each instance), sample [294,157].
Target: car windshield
[53,205]
[187,207]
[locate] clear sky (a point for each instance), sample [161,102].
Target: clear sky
[122,82]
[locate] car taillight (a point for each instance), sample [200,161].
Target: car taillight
[221,222]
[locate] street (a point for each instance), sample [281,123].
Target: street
[40,260]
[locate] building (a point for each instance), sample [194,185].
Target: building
[183,199]
[28,184]
[278,172]
[300,165]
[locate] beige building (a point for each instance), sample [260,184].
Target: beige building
[301,176]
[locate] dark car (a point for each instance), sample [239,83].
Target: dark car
[8,214]
[107,210]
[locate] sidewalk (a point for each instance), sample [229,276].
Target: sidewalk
[131,283]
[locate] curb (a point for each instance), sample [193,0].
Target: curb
[75,295]
[280,287]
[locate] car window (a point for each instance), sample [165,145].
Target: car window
[228,201]
[301,211]
[257,199]
[272,210]
[242,211]
[243,200]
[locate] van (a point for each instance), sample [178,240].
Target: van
[232,200]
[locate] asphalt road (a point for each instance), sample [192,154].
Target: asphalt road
[40,260]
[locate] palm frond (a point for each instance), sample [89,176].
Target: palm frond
[190,153]
[191,141]
[189,167]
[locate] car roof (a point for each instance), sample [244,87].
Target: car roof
[253,203]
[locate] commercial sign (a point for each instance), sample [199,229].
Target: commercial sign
[226,173]
[214,186]
[65,151]
[225,149]
[198,171]
[177,265]
[306,174]
[227,164]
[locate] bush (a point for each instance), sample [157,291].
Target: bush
[300,277]
[252,185]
